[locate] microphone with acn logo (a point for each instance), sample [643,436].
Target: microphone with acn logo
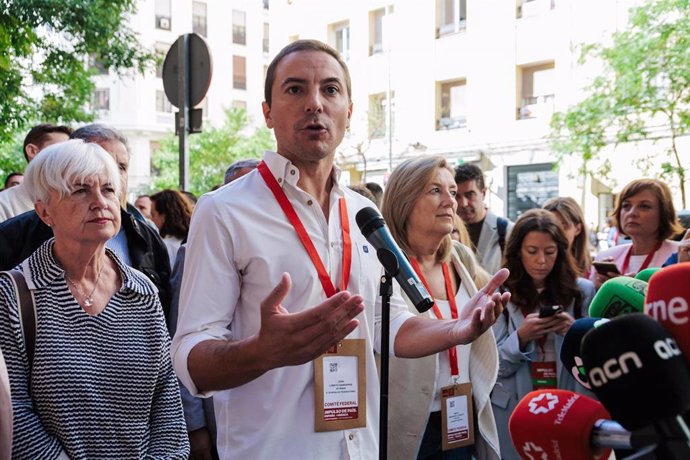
[618,296]
[667,301]
[638,372]
[374,229]
[561,424]
[570,349]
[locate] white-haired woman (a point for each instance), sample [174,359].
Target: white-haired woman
[101,383]
[419,207]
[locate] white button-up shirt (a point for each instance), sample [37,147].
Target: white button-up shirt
[239,244]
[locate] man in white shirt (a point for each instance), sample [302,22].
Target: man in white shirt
[255,319]
[16,200]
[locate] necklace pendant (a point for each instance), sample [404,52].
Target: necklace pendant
[88,302]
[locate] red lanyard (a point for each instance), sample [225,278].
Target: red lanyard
[452,351]
[646,262]
[294,219]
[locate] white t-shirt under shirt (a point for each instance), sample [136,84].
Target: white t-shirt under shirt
[443,377]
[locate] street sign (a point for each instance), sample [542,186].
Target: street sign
[200,71]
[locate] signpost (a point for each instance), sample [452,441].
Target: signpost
[187,71]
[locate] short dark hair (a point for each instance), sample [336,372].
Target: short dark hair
[97,133]
[303,45]
[38,133]
[11,175]
[468,171]
[238,165]
[375,190]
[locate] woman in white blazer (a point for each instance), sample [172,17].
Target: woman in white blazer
[418,206]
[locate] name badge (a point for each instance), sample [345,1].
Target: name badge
[544,375]
[457,416]
[340,387]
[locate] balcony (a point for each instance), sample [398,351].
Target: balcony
[446,123]
[530,8]
[536,107]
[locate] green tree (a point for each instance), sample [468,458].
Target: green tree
[210,153]
[11,157]
[645,83]
[46,48]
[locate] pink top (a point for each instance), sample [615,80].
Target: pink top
[618,254]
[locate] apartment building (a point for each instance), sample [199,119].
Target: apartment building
[237,33]
[472,80]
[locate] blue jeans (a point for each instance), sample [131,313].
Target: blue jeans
[432,447]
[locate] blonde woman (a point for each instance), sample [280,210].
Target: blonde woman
[572,220]
[419,207]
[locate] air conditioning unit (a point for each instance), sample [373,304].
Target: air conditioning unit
[163,23]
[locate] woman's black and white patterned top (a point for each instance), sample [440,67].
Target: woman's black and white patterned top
[101,386]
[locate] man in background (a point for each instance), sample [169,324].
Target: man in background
[13,179]
[488,232]
[16,200]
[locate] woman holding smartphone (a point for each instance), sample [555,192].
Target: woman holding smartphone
[546,298]
[645,213]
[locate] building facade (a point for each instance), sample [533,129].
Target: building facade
[237,36]
[472,80]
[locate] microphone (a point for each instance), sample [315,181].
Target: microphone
[618,296]
[374,229]
[570,349]
[638,372]
[561,424]
[647,273]
[667,299]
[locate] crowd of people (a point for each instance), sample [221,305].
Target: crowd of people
[249,324]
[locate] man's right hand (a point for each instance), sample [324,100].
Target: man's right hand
[290,339]
[284,339]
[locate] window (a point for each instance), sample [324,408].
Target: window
[376,31]
[378,115]
[239,72]
[101,99]
[199,18]
[97,65]
[528,8]
[452,109]
[265,40]
[162,103]
[451,16]
[529,186]
[239,104]
[536,85]
[161,52]
[239,27]
[266,3]
[340,38]
[163,14]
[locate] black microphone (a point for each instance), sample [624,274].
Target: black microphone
[638,372]
[374,229]
[570,349]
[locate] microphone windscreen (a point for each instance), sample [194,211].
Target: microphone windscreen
[570,349]
[618,296]
[636,370]
[667,300]
[646,274]
[368,219]
[556,424]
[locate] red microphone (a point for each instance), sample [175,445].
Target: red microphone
[667,299]
[557,424]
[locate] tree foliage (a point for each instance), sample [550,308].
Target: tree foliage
[645,84]
[45,50]
[210,153]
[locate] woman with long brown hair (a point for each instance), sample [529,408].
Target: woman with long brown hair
[542,276]
[171,211]
[572,220]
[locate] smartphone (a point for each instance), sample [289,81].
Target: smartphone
[549,310]
[604,267]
